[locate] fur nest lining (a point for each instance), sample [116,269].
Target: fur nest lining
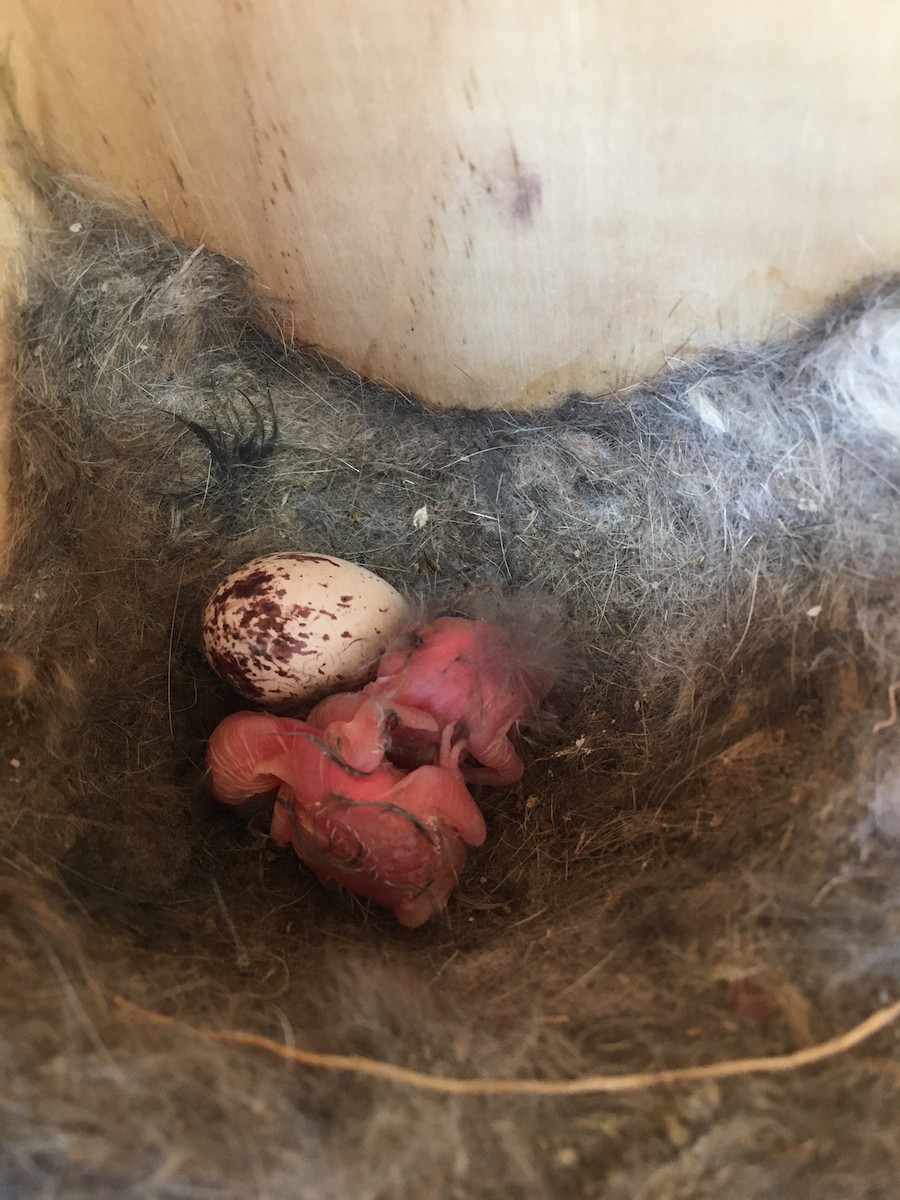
[700,864]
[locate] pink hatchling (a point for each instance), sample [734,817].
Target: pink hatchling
[453,675]
[395,837]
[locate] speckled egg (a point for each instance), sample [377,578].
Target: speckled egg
[290,627]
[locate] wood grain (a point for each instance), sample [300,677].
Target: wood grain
[492,203]
[19,210]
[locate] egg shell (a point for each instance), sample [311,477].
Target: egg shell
[290,627]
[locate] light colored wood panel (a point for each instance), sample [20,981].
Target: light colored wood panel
[493,202]
[19,209]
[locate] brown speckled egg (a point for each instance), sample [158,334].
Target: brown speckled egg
[290,627]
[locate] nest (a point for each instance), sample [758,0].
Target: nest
[699,865]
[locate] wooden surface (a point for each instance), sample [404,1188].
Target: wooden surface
[19,210]
[493,202]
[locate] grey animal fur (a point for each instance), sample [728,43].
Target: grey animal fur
[700,863]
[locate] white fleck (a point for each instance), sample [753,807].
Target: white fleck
[813,612]
[15,762]
[420,517]
[885,812]
[707,411]
[578,747]
[76,227]
[567,1156]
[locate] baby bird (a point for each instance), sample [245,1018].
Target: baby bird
[453,674]
[394,837]
[370,790]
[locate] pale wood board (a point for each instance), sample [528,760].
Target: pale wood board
[491,203]
[19,210]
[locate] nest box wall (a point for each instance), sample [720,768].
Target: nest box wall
[493,204]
